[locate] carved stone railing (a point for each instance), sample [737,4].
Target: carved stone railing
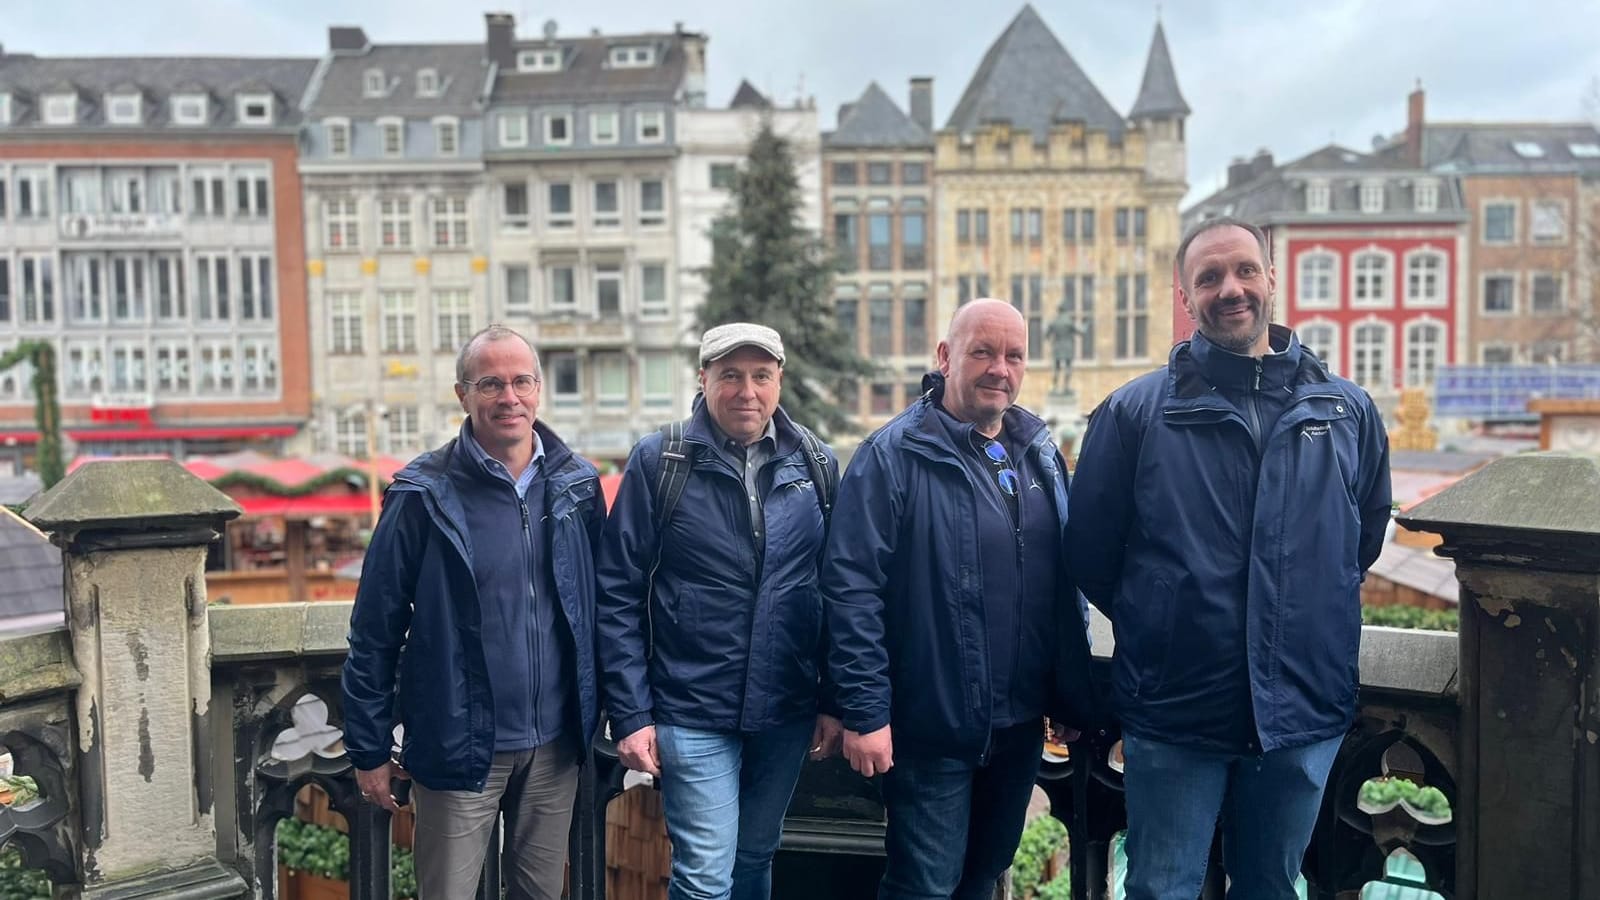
[151,723]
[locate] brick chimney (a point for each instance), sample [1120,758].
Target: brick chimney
[500,40]
[922,103]
[1239,171]
[1414,118]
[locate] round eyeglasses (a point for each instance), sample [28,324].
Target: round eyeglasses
[1007,477]
[490,387]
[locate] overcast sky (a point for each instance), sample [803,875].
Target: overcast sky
[1293,79]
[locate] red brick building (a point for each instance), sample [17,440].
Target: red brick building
[150,228]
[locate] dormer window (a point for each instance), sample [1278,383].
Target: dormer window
[124,109]
[373,83]
[5,108]
[393,133]
[255,109]
[1317,196]
[632,57]
[1372,197]
[447,135]
[60,109]
[651,126]
[539,61]
[190,109]
[1427,195]
[338,131]
[428,83]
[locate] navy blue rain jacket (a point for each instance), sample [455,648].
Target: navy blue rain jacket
[1232,577]
[416,646]
[903,585]
[737,638]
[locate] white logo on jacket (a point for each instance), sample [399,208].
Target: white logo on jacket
[1315,430]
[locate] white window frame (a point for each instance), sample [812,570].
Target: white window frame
[647,119]
[341,220]
[131,110]
[447,126]
[1533,293]
[1425,195]
[1440,296]
[5,107]
[258,182]
[553,365]
[659,308]
[631,56]
[264,380]
[452,318]
[451,212]
[1302,299]
[37,288]
[550,287]
[374,84]
[522,305]
[513,129]
[610,218]
[1372,198]
[59,109]
[245,101]
[183,114]
[86,287]
[428,83]
[350,432]
[1318,195]
[516,222]
[556,220]
[171,304]
[550,118]
[1332,359]
[172,368]
[1413,375]
[396,224]
[539,60]
[346,323]
[1483,294]
[1483,232]
[214,289]
[1554,210]
[1382,299]
[615,120]
[132,358]
[601,274]
[85,366]
[617,364]
[223,372]
[337,133]
[656,218]
[397,322]
[402,430]
[1385,371]
[134,307]
[392,126]
[652,394]
[40,188]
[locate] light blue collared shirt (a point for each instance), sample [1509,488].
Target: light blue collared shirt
[482,456]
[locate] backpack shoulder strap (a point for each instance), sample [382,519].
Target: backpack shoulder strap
[672,473]
[824,477]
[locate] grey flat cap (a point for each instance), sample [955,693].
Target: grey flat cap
[724,339]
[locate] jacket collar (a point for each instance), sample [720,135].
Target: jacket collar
[1197,366]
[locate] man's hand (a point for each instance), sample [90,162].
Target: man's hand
[638,751]
[870,754]
[375,784]
[825,737]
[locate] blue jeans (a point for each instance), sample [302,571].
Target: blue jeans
[953,825]
[724,795]
[1268,806]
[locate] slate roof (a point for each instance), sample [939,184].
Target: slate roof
[748,96]
[1158,93]
[1278,193]
[463,77]
[876,121]
[30,569]
[1030,80]
[28,77]
[1493,148]
[587,78]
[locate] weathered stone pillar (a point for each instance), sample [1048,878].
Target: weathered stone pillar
[1525,534]
[135,535]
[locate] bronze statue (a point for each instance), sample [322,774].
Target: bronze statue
[1063,333]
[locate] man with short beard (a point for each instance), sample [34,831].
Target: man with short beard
[1223,513]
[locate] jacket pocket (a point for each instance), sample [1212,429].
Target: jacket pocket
[1153,643]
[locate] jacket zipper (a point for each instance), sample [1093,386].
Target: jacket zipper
[533,612]
[1255,415]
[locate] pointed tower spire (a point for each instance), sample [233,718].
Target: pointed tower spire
[1159,95]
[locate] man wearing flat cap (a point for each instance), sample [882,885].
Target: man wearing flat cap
[710,619]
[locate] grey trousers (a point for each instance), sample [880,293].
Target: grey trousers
[535,789]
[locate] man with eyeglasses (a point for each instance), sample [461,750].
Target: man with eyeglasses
[953,621]
[709,618]
[472,628]
[1224,512]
